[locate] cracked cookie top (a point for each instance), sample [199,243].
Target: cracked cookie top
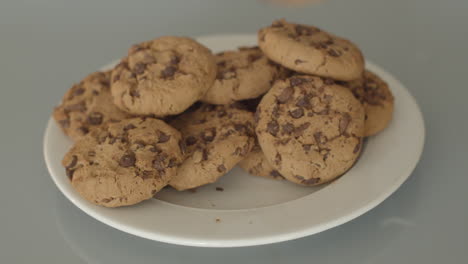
[310,130]
[243,74]
[217,138]
[310,50]
[124,163]
[163,76]
[87,105]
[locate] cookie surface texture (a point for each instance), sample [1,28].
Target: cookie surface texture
[87,105]
[310,131]
[255,163]
[124,163]
[310,50]
[217,138]
[163,76]
[243,74]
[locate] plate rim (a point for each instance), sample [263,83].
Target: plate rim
[273,238]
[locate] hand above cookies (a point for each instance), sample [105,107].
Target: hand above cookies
[172,114]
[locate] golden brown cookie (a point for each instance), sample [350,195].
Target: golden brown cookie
[163,76]
[217,138]
[87,105]
[243,74]
[377,99]
[310,131]
[124,163]
[310,50]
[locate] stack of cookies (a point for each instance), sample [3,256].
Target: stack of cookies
[171,113]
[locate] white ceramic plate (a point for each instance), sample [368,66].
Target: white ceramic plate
[252,210]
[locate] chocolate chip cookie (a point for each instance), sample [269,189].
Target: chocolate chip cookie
[87,105]
[163,76]
[377,99]
[309,130]
[217,138]
[243,74]
[256,164]
[310,50]
[124,163]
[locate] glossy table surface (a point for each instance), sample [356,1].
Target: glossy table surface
[46,45]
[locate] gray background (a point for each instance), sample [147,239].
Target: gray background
[46,45]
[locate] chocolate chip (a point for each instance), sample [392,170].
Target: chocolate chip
[219,189]
[221,113]
[146,174]
[139,68]
[64,123]
[298,131]
[294,81]
[158,163]
[310,181]
[221,63]
[253,57]
[73,162]
[174,60]
[278,158]
[190,140]
[285,95]
[70,173]
[168,72]
[155,149]
[334,53]
[304,30]
[357,147]
[172,163]
[273,127]
[209,134]
[288,128]
[83,130]
[163,138]
[134,93]
[95,118]
[275,112]
[128,127]
[127,160]
[116,77]
[299,61]
[205,154]
[221,168]
[78,91]
[344,122]
[276,174]
[238,151]
[304,101]
[318,137]
[240,127]
[296,113]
